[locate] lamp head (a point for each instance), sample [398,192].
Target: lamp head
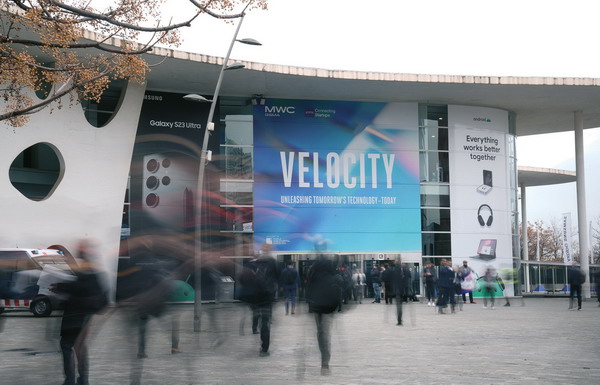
[235,66]
[196,98]
[249,41]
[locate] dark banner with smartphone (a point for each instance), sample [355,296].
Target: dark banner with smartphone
[164,171]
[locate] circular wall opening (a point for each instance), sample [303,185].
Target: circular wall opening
[37,171]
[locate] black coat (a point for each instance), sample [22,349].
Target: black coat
[375,276]
[402,281]
[86,296]
[324,287]
[576,276]
[265,280]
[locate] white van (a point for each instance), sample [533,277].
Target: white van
[26,276]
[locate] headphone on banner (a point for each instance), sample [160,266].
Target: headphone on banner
[480,219]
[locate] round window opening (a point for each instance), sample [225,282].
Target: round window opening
[37,171]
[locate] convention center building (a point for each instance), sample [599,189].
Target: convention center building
[371,168]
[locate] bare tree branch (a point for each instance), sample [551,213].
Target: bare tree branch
[110,20]
[44,103]
[206,10]
[36,32]
[96,45]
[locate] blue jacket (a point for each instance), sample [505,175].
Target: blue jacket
[446,277]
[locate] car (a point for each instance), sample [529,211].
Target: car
[27,276]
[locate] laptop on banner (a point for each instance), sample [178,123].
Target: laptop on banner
[486,250]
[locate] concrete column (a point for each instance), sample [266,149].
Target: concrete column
[524,236]
[581,203]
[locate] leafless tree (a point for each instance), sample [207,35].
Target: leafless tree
[77,48]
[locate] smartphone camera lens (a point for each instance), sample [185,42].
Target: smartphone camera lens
[152,182]
[166,180]
[152,200]
[166,162]
[152,165]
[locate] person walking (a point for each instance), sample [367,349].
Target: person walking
[86,295]
[359,282]
[400,279]
[151,302]
[290,279]
[387,279]
[489,279]
[446,286]
[265,278]
[323,290]
[430,277]
[467,281]
[458,292]
[576,278]
[597,279]
[376,282]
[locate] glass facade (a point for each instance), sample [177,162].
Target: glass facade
[514,200]
[435,180]
[236,185]
[233,164]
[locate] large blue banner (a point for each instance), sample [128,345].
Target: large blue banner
[336,176]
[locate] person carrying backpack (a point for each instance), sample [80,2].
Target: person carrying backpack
[86,296]
[290,279]
[265,278]
[324,290]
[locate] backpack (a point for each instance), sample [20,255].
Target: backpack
[325,290]
[247,287]
[264,279]
[289,277]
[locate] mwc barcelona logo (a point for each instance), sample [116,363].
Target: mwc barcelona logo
[279,110]
[486,120]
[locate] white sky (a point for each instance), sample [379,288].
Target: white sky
[464,37]
[461,37]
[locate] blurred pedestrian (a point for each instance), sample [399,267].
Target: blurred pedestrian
[430,277]
[489,281]
[446,286]
[290,279]
[375,275]
[467,282]
[597,279]
[359,281]
[324,287]
[387,278]
[576,278]
[266,288]
[347,285]
[86,296]
[247,293]
[510,279]
[151,302]
[369,284]
[458,292]
[400,279]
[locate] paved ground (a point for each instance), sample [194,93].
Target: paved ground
[539,343]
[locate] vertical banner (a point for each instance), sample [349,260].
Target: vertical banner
[164,165]
[336,176]
[566,239]
[480,192]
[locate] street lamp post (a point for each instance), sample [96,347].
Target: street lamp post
[204,154]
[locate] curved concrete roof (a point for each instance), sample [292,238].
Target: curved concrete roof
[537,176]
[541,104]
